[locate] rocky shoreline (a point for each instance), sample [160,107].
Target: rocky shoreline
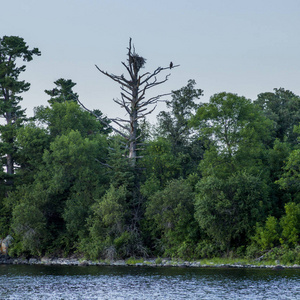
[6,260]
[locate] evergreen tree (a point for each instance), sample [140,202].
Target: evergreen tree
[62,92]
[174,125]
[65,114]
[12,48]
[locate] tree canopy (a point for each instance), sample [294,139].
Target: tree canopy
[213,179]
[12,49]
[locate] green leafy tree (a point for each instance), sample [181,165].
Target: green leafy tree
[119,170]
[65,186]
[174,126]
[62,169]
[5,213]
[63,92]
[171,211]
[159,161]
[74,174]
[276,158]
[31,142]
[63,117]
[107,223]
[290,224]
[65,114]
[111,230]
[12,49]
[289,181]
[267,236]
[123,174]
[236,130]
[282,107]
[286,231]
[228,209]
[29,224]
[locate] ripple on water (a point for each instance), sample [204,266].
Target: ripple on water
[41,282]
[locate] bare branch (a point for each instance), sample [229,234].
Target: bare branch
[147,113]
[100,119]
[122,126]
[126,97]
[126,91]
[152,100]
[120,79]
[123,104]
[103,164]
[120,120]
[128,70]
[155,82]
[156,72]
[129,55]
[133,92]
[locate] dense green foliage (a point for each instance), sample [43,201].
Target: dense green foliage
[12,49]
[213,179]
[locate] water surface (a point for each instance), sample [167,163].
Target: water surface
[104,282]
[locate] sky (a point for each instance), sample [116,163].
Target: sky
[237,46]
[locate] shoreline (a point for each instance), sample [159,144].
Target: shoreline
[6,260]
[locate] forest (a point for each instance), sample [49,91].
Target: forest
[213,179]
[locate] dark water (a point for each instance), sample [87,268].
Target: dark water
[66,282]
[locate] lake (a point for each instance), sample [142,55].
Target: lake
[106,282]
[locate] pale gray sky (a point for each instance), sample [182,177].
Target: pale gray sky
[244,47]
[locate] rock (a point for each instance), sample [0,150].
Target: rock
[296,266]
[33,261]
[196,264]
[45,261]
[5,244]
[84,263]
[5,260]
[20,261]
[119,263]
[278,267]
[168,264]
[139,264]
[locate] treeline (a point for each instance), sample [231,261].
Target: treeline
[212,179]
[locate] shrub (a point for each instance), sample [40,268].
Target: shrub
[267,236]
[290,224]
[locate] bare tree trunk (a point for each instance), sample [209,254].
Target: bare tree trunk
[133,100]
[134,118]
[9,164]
[133,137]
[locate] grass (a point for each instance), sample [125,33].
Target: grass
[240,261]
[133,261]
[226,261]
[210,261]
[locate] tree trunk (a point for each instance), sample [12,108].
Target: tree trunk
[133,92]
[9,156]
[9,164]
[134,121]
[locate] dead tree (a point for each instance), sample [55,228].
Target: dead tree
[133,96]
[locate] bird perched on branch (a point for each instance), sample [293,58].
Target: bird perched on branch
[171,65]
